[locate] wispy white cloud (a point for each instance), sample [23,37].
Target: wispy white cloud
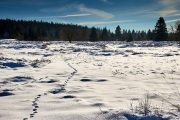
[175,15]
[76,15]
[174,20]
[164,8]
[30,2]
[105,1]
[58,9]
[169,2]
[167,12]
[93,11]
[169,7]
[72,15]
[104,22]
[80,8]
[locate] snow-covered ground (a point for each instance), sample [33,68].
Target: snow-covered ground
[89,81]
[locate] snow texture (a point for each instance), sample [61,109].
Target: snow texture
[89,81]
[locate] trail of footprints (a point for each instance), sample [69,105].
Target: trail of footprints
[62,88]
[35,105]
[56,91]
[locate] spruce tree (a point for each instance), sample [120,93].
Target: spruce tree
[112,36]
[161,30]
[104,35]
[130,38]
[124,35]
[178,33]
[93,36]
[149,35]
[133,33]
[118,33]
[142,35]
[178,29]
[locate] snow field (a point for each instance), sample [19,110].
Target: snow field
[86,80]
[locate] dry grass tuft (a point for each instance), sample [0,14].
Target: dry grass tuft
[145,105]
[44,46]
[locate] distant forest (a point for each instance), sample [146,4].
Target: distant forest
[48,31]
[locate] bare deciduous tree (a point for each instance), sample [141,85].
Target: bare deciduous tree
[175,31]
[69,34]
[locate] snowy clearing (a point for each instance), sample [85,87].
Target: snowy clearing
[89,81]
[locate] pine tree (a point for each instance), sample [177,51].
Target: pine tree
[178,32]
[84,34]
[130,38]
[124,35]
[104,35]
[93,36]
[113,38]
[149,35]
[178,29]
[118,33]
[161,30]
[142,34]
[133,33]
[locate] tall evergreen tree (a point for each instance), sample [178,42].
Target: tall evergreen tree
[142,34]
[161,30]
[178,32]
[124,35]
[130,38]
[113,38]
[93,36]
[118,33]
[84,34]
[149,35]
[104,35]
[133,33]
[178,29]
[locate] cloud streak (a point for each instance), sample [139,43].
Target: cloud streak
[93,11]
[105,1]
[105,22]
[169,7]
[65,16]
[76,15]
[30,2]
[59,9]
[174,20]
[163,8]
[80,8]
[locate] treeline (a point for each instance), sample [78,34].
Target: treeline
[43,31]
[37,30]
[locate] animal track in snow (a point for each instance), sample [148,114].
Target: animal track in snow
[56,91]
[35,106]
[62,88]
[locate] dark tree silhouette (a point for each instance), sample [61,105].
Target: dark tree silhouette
[161,30]
[93,36]
[149,35]
[118,33]
[36,30]
[104,35]
[130,38]
[69,34]
[178,32]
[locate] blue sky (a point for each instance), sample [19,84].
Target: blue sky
[129,14]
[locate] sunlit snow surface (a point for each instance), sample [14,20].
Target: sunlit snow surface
[88,81]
